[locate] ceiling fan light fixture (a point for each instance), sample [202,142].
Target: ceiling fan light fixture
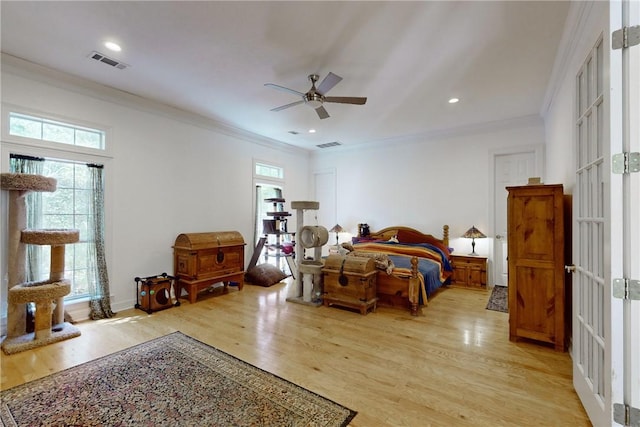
[313,100]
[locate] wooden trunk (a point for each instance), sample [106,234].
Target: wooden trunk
[203,259]
[350,281]
[536,235]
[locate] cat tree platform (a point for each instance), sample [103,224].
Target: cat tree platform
[42,294]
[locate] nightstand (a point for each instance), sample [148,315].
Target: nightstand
[469,271]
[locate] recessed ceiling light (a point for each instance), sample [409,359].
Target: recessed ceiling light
[113,46]
[453,100]
[312,131]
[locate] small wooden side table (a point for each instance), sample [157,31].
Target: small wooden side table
[469,271]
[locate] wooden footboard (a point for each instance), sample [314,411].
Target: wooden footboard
[403,292]
[400,292]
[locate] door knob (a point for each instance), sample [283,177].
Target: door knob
[499,237]
[570,268]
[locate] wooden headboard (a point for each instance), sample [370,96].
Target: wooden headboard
[408,234]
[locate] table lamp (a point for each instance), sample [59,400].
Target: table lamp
[337,229]
[473,233]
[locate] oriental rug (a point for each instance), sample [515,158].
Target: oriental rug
[174,380]
[499,301]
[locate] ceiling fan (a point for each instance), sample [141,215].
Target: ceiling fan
[315,97]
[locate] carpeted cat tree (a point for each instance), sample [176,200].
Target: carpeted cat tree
[48,295]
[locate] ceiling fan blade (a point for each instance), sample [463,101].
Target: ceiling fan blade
[284,89]
[322,113]
[328,83]
[346,99]
[282,107]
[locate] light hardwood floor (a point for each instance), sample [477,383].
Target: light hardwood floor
[451,366]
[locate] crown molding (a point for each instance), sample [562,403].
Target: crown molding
[22,68]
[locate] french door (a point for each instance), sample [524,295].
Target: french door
[606,322]
[591,340]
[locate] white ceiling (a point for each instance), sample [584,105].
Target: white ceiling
[213,58]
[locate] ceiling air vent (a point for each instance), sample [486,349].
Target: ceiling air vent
[329,144]
[109,61]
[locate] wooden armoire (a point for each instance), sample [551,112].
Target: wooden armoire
[539,240]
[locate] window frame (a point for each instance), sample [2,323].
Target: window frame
[12,144]
[7,109]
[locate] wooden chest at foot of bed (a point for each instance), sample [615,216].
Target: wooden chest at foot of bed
[203,259]
[350,281]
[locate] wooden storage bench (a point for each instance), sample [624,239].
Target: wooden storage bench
[203,259]
[350,281]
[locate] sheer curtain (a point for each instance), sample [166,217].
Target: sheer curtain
[34,166]
[99,303]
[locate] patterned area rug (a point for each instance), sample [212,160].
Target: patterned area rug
[173,380]
[499,301]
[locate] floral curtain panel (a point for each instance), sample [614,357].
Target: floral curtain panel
[99,303]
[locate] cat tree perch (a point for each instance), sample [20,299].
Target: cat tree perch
[49,323]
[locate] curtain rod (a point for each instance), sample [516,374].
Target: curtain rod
[23,157]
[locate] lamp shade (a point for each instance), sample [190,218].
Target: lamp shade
[336,229]
[473,233]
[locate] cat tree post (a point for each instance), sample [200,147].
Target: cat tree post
[56,239]
[18,186]
[309,277]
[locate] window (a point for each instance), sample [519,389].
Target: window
[65,157]
[268,182]
[269,171]
[50,130]
[67,207]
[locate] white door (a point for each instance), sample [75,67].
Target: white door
[512,168]
[606,327]
[591,285]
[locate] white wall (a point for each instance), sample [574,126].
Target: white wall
[425,182]
[171,173]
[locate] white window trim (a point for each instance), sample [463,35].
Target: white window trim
[67,148]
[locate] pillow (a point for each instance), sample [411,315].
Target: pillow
[264,275]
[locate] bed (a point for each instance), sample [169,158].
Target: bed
[420,264]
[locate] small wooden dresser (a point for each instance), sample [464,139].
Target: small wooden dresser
[203,259]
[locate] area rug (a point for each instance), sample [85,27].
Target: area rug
[173,380]
[499,301]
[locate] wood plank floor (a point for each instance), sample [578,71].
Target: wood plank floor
[451,366]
